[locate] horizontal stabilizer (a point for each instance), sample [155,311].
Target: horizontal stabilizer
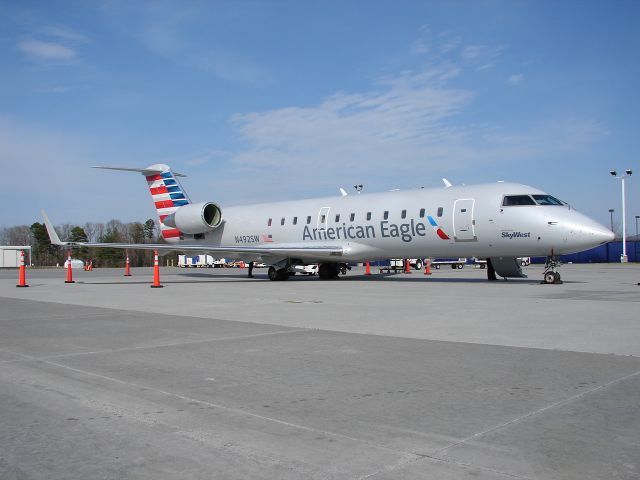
[145,171]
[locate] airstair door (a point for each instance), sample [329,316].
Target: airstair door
[323,218]
[463,221]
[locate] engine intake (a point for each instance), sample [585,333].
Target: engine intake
[195,218]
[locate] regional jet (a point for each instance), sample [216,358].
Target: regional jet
[497,221]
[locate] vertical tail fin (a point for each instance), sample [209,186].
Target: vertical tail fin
[166,192]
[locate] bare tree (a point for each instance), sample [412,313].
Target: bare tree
[20,235]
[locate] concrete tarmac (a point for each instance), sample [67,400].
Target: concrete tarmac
[382,377]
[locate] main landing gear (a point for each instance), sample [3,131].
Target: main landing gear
[550,275]
[329,271]
[278,274]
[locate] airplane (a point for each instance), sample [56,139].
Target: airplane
[496,221]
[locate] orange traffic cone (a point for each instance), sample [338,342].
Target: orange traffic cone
[156,271]
[91,265]
[69,272]
[127,268]
[22,275]
[427,267]
[367,268]
[407,266]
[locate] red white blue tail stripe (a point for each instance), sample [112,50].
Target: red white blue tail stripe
[168,196]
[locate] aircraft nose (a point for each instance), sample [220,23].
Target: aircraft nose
[596,233]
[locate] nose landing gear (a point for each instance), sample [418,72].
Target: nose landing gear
[550,275]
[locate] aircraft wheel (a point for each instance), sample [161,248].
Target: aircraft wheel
[556,277]
[272,273]
[549,277]
[329,271]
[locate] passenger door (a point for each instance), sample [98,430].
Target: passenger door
[463,221]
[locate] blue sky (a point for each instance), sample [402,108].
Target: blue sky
[259,101]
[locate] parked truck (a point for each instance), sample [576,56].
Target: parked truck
[200,261]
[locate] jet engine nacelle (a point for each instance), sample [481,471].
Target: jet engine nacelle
[195,218]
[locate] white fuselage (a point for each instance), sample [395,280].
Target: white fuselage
[472,220]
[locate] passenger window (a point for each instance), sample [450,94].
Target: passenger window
[440,211]
[368,215]
[337,218]
[269,223]
[404,214]
[308,219]
[422,213]
[295,220]
[282,221]
[385,215]
[352,217]
[517,201]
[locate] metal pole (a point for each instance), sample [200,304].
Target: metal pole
[635,244]
[624,258]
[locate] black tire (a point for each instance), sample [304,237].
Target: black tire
[460,266]
[549,277]
[419,265]
[272,273]
[437,267]
[556,277]
[329,271]
[454,266]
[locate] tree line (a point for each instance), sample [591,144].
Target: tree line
[113,231]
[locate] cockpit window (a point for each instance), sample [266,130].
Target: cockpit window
[547,200]
[517,200]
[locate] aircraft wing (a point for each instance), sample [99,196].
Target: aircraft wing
[280,250]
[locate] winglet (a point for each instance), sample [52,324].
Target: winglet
[53,236]
[343,192]
[446,182]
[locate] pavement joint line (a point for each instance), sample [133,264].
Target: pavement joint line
[422,458]
[237,411]
[551,406]
[248,322]
[175,344]
[433,456]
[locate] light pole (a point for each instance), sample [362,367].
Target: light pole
[622,178]
[611,210]
[635,244]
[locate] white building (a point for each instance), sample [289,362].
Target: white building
[10,256]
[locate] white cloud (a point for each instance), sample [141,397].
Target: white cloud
[515,79]
[482,57]
[63,34]
[400,128]
[46,50]
[398,133]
